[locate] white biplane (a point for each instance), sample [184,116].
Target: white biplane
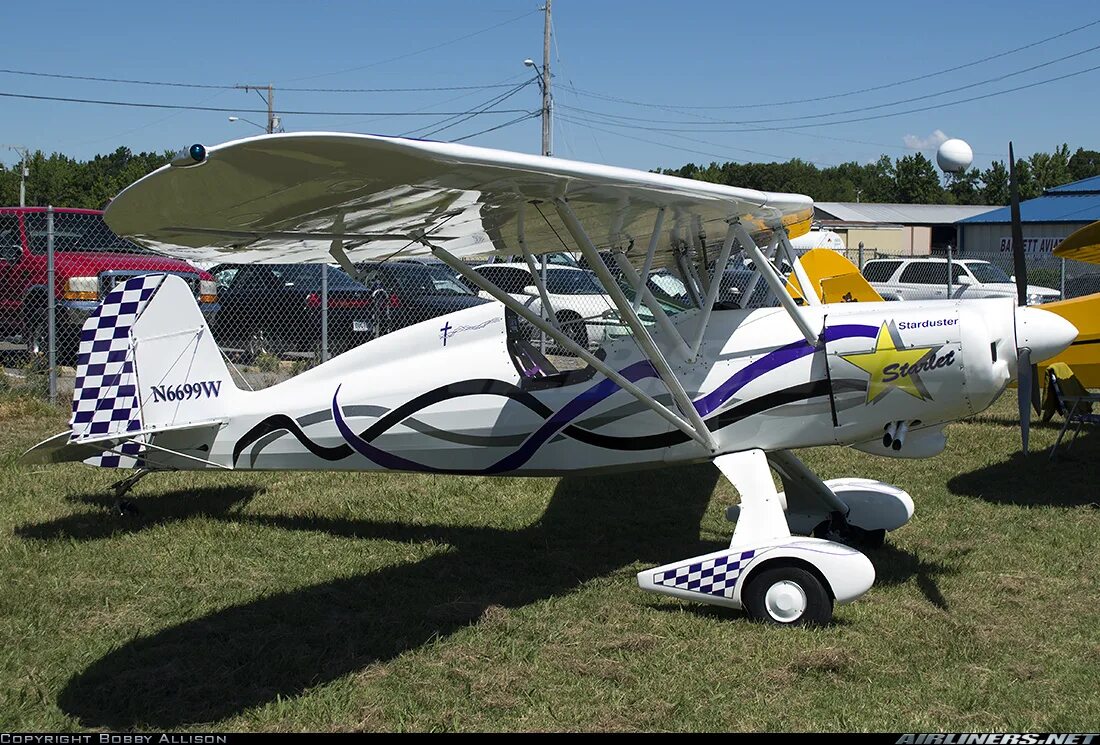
[468,393]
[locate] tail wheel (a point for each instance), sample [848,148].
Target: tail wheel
[787,596]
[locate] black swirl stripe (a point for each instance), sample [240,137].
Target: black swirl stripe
[279,422]
[475,387]
[731,416]
[486,387]
[726,418]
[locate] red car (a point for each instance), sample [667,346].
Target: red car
[89,260]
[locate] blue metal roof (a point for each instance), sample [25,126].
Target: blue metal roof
[1086,184]
[1076,202]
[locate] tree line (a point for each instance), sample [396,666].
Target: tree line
[913,179]
[62,181]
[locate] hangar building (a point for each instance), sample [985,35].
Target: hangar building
[895,229]
[1046,220]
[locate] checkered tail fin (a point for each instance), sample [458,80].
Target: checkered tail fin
[147,363]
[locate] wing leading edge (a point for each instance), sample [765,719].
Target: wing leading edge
[282,198]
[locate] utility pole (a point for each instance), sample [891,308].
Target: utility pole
[269,99]
[547,101]
[23,172]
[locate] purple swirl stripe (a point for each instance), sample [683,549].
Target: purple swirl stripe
[595,394]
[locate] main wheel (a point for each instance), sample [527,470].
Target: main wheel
[787,596]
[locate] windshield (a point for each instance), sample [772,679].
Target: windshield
[669,305]
[572,282]
[984,272]
[445,281]
[561,259]
[76,231]
[308,276]
[668,287]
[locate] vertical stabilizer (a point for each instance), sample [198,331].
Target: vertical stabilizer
[147,362]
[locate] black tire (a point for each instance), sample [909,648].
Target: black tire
[815,609]
[38,340]
[573,327]
[66,343]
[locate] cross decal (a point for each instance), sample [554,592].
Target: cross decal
[446,328]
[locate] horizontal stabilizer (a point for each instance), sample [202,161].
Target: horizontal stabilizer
[58,449]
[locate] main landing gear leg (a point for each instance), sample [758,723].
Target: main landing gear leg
[855,512]
[776,577]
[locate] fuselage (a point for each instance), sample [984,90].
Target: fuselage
[464,393]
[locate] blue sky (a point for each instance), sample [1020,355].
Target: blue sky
[675,56]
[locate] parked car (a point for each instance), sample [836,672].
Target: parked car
[89,260]
[926,279]
[276,309]
[582,308]
[415,291]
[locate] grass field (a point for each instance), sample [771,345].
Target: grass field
[408,602]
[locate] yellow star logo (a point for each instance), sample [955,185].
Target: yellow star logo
[889,366]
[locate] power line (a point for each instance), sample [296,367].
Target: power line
[171,84]
[506,82]
[418,51]
[585,124]
[668,107]
[142,105]
[875,107]
[877,116]
[442,125]
[517,120]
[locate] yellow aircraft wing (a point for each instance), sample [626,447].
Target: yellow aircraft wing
[1083,356]
[1081,245]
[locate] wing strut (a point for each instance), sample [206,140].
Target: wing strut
[754,278]
[538,322]
[336,249]
[647,267]
[775,282]
[687,272]
[712,291]
[805,286]
[654,305]
[546,309]
[641,333]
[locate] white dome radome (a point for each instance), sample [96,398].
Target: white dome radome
[954,156]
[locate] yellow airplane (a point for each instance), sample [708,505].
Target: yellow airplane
[1084,354]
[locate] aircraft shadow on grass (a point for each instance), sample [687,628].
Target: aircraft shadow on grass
[282,645]
[1035,480]
[161,509]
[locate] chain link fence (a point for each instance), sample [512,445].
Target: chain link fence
[973,274]
[273,321]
